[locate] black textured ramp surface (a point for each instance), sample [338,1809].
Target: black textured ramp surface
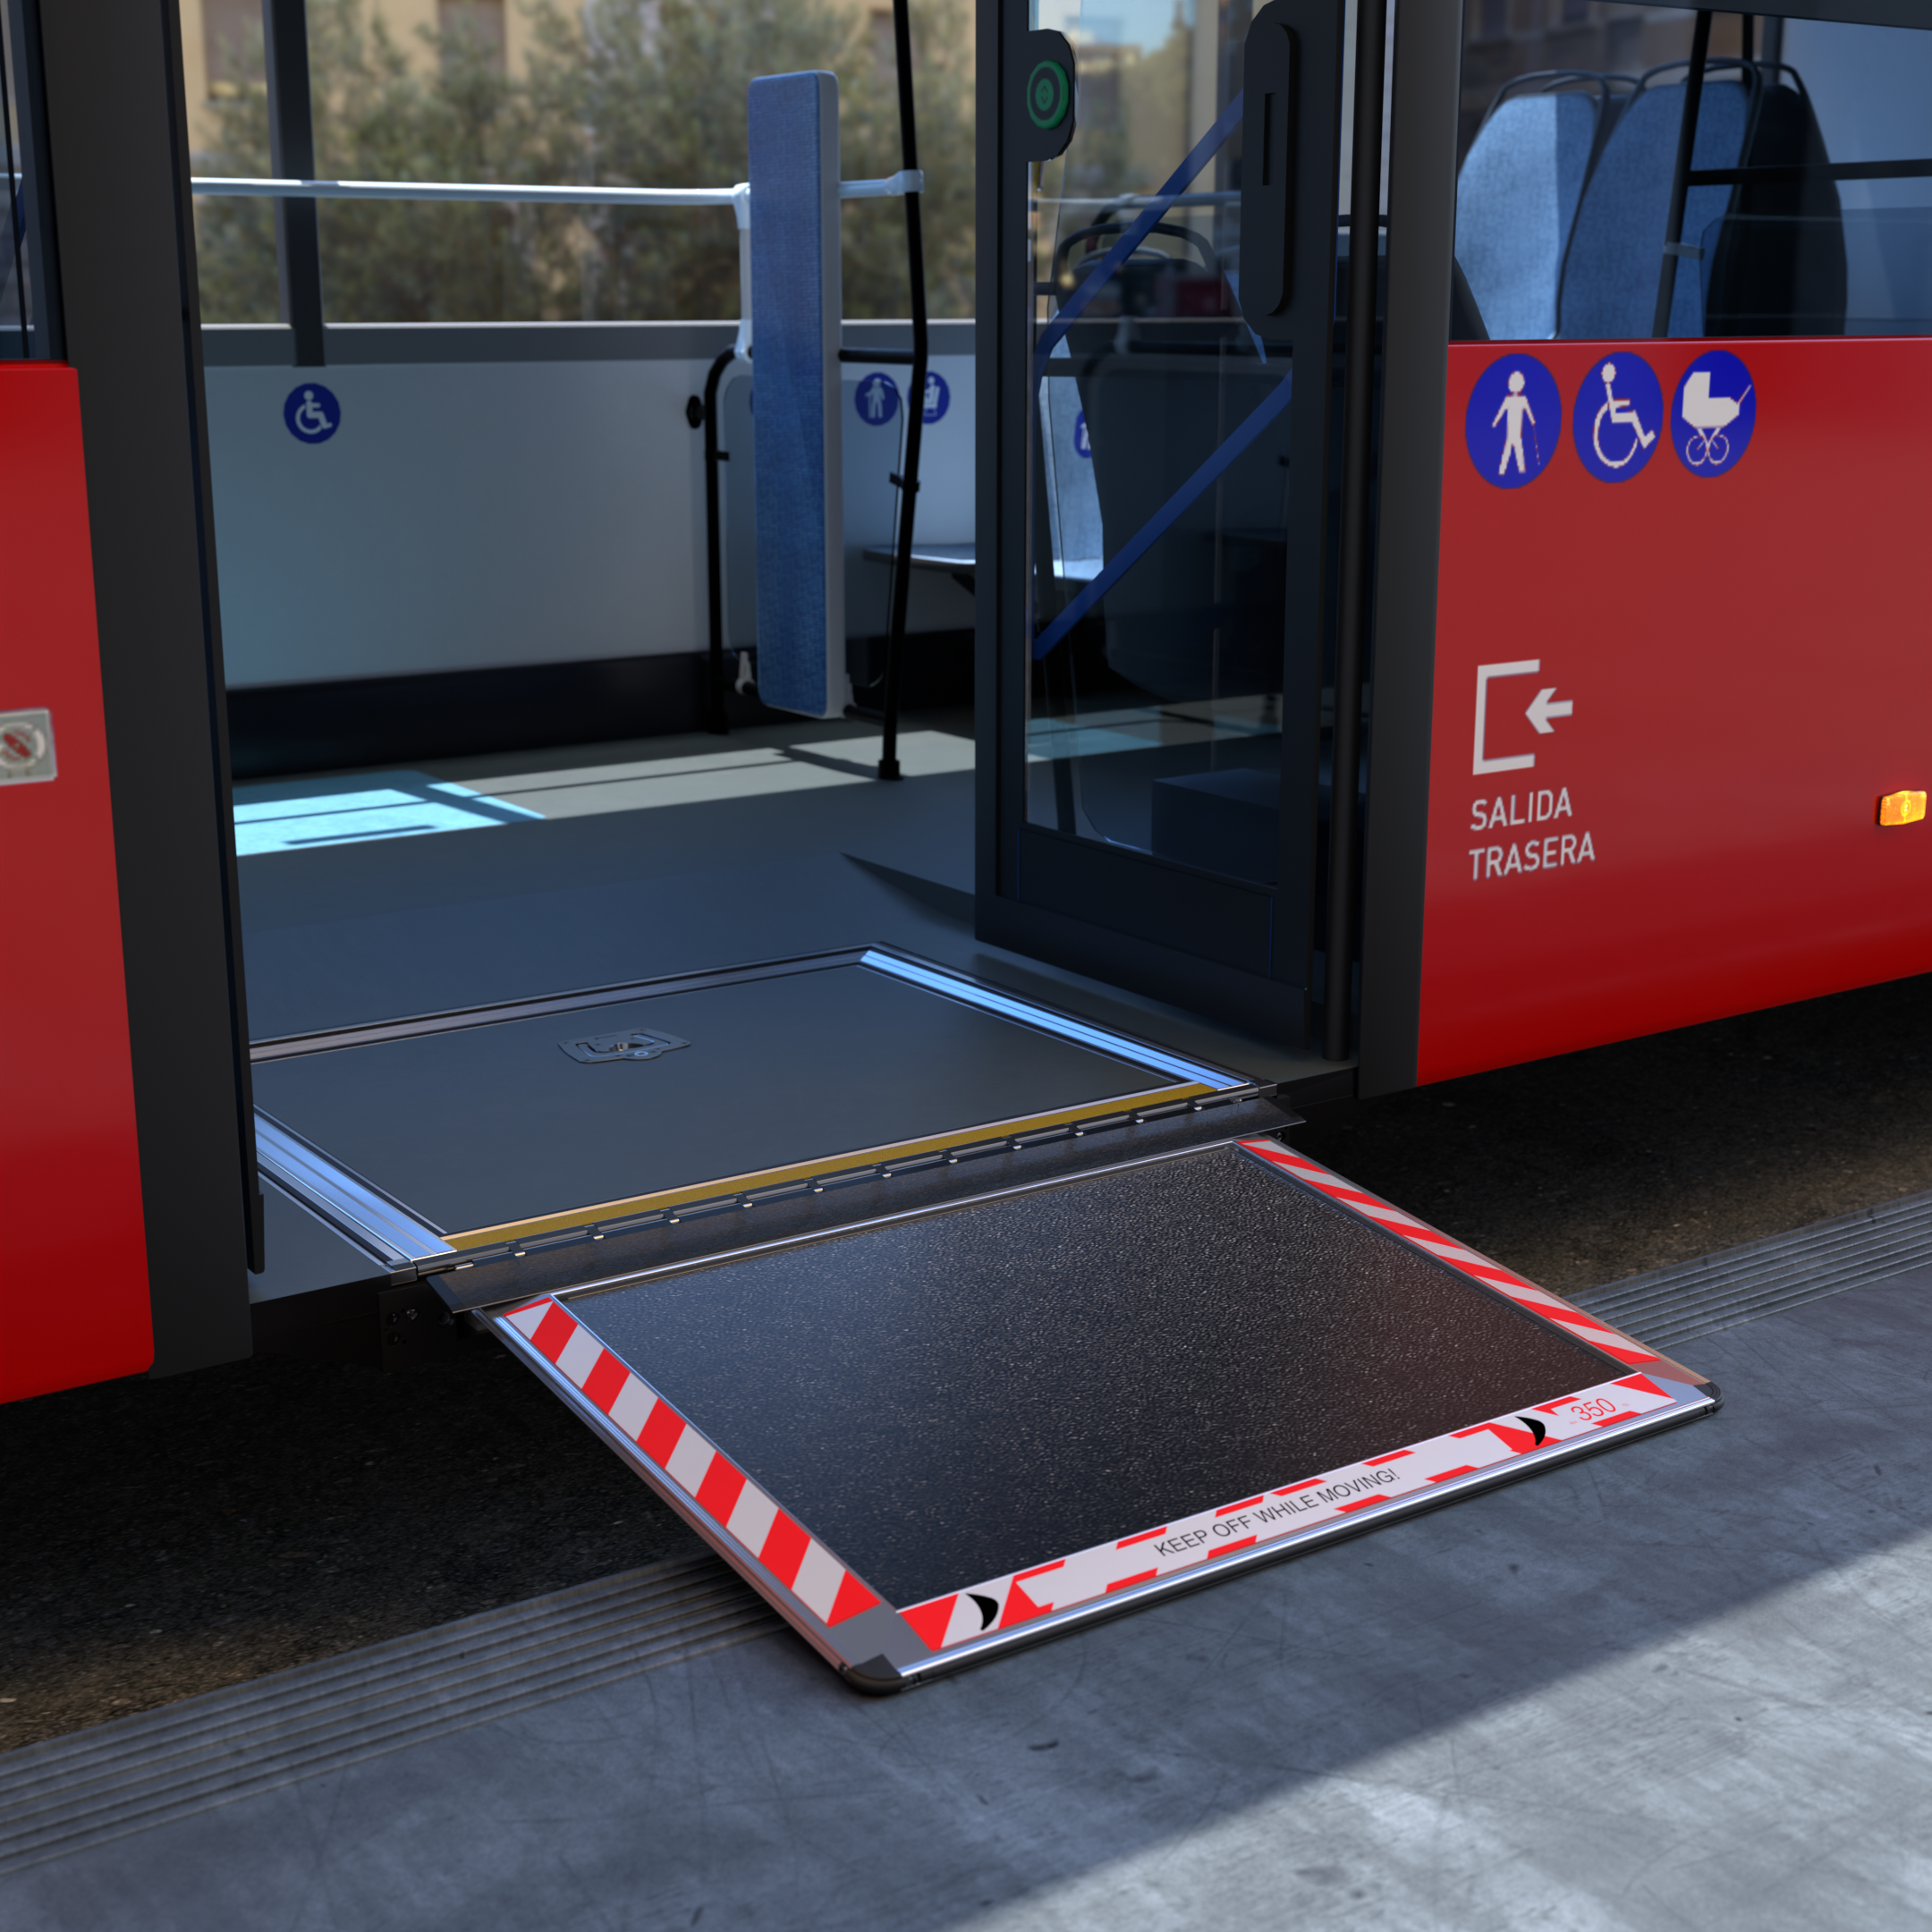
[962,1396]
[497,1124]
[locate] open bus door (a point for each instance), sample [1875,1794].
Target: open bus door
[127,1171]
[1154,520]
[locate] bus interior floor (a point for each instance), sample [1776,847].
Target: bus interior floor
[643,859]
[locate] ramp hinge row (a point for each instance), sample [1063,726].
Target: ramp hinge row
[888,1169]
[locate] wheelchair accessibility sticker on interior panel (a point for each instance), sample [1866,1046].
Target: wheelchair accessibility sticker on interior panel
[312,413]
[1618,417]
[1714,413]
[1514,422]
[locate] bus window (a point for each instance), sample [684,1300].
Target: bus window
[1804,206]
[1870,88]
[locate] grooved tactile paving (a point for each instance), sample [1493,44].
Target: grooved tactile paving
[99,1785]
[1677,1304]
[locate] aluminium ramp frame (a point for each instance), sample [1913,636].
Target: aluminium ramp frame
[928,1440]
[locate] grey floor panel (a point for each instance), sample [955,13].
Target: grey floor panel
[1680,1683]
[482,1125]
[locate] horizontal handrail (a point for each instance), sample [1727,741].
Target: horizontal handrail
[1207,197]
[1802,171]
[907,181]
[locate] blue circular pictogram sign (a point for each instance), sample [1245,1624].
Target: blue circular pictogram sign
[1712,414]
[1618,416]
[1514,424]
[876,399]
[312,413]
[938,396]
[1082,442]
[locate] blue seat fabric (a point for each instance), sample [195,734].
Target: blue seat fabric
[1610,274]
[1516,200]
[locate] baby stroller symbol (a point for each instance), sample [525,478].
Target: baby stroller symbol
[1709,417]
[1622,414]
[1716,403]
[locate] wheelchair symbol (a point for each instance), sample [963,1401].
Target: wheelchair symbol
[1620,414]
[312,413]
[1618,417]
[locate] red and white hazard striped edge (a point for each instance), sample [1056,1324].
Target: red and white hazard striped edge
[805,1567]
[1196,1540]
[1431,1241]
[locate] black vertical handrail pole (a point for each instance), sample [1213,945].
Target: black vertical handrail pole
[16,168]
[716,720]
[1351,615]
[292,155]
[1680,186]
[888,766]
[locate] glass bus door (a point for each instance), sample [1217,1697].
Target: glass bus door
[1162,518]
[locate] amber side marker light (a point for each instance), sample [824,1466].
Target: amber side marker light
[1902,808]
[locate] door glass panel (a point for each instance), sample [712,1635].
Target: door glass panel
[16,281]
[1160,460]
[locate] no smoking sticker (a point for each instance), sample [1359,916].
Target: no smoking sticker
[26,747]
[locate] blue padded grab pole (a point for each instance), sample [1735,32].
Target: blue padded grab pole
[794,126]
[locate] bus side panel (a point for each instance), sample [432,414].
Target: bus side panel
[73,1273]
[1697,681]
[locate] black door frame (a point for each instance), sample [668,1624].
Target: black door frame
[111,225]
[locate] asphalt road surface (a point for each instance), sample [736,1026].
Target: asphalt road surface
[168,1538]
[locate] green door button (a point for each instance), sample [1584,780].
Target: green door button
[1049,94]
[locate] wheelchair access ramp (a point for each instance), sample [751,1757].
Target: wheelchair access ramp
[949,1321]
